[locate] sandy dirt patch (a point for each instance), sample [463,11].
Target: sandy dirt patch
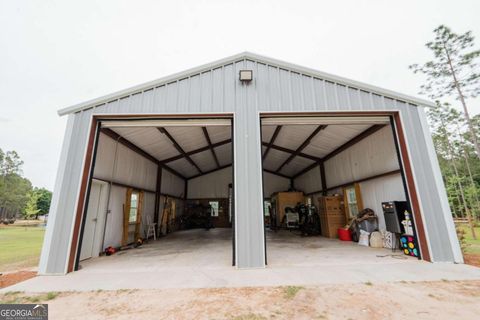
[9,279]
[401,300]
[472,259]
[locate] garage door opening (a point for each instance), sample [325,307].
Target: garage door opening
[165,184]
[321,174]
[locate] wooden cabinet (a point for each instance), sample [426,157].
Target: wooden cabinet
[281,200]
[332,215]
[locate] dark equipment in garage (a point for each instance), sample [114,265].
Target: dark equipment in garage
[393,213]
[197,216]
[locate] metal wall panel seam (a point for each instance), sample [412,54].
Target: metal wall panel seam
[279,87]
[347,94]
[314,98]
[302,92]
[255,84]
[360,101]
[292,79]
[370,97]
[209,90]
[290,90]
[274,95]
[324,94]
[337,100]
[223,102]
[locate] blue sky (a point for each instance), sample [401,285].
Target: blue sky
[58,53]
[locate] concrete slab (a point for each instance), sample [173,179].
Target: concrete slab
[201,259]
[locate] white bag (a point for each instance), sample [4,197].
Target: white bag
[376,240]
[364,238]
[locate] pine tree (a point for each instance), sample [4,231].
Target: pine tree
[453,72]
[31,210]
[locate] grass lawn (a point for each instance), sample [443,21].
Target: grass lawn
[473,245]
[20,247]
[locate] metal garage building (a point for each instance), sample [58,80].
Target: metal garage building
[184,135]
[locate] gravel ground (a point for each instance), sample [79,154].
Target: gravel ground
[400,300]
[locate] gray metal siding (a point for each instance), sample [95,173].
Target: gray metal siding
[428,190]
[274,88]
[67,194]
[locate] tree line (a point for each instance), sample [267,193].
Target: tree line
[454,74]
[458,161]
[18,198]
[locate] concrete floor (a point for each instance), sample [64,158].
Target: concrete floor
[197,248]
[199,258]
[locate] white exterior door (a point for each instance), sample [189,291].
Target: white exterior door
[93,232]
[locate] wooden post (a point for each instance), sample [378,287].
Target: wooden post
[157,195]
[138,222]
[126,215]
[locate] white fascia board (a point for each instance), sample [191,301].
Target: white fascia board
[167,123]
[276,121]
[248,56]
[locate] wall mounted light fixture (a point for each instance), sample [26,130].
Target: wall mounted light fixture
[246,75]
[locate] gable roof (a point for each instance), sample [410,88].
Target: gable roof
[245,56]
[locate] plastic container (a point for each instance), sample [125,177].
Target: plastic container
[369,225]
[344,234]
